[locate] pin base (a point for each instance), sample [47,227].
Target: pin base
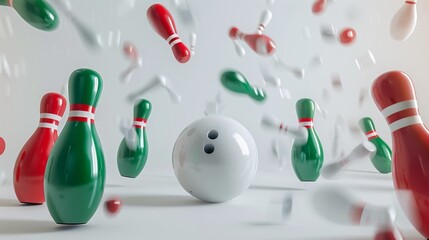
[31,203]
[128,176]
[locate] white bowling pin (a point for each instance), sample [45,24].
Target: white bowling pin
[296,71]
[127,74]
[193,43]
[264,21]
[157,82]
[3,178]
[129,133]
[267,77]
[336,148]
[85,32]
[214,107]
[300,133]
[337,205]
[270,2]
[362,150]
[279,209]
[238,48]
[404,21]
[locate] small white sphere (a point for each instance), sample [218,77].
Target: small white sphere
[215,159]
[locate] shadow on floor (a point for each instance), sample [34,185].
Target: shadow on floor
[14,226]
[162,201]
[9,203]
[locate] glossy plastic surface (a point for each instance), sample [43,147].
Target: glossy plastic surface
[132,161]
[319,6]
[382,159]
[163,23]
[2,145]
[307,158]
[37,13]
[347,36]
[113,206]
[31,162]
[215,159]
[237,82]
[75,173]
[410,146]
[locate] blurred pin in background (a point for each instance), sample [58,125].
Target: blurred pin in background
[158,81]
[269,79]
[296,71]
[363,150]
[404,21]
[193,43]
[126,6]
[337,205]
[365,61]
[130,51]
[214,107]
[87,34]
[299,133]
[279,209]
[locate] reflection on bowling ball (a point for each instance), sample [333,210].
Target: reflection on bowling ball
[215,159]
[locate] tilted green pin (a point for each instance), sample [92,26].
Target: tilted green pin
[38,13]
[307,158]
[132,159]
[75,171]
[236,82]
[382,159]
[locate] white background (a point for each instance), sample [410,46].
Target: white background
[50,57]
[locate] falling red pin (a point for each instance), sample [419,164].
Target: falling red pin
[163,23]
[258,42]
[31,162]
[394,95]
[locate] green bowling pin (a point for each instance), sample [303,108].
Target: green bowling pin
[131,161]
[307,157]
[75,172]
[236,82]
[382,159]
[38,13]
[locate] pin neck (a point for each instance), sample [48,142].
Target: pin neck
[49,120]
[306,122]
[261,28]
[81,113]
[402,114]
[139,123]
[371,134]
[173,39]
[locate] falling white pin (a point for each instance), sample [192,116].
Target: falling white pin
[404,22]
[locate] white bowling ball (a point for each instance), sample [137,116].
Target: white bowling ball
[215,159]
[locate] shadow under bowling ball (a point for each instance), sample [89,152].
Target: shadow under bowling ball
[161,201]
[18,226]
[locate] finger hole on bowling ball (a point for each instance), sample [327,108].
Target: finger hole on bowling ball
[213,134]
[209,148]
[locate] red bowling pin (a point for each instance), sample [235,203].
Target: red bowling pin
[394,95]
[31,162]
[261,44]
[163,23]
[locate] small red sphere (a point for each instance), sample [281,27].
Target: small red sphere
[347,35]
[2,145]
[112,206]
